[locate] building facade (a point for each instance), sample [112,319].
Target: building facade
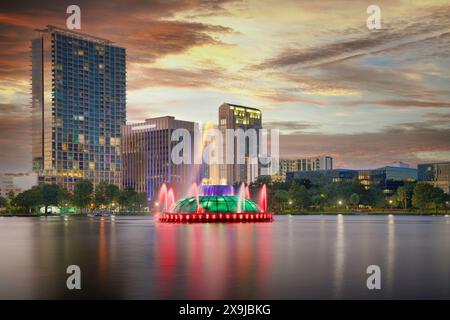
[387,179]
[78,107]
[301,165]
[438,174]
[146,156]
[232,116]
[323,177]
[16,182]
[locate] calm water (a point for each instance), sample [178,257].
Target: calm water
[291,258]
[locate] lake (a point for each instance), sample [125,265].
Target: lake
[295,257]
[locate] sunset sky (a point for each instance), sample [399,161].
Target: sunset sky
[367,98]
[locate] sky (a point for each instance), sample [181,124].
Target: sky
[365,97]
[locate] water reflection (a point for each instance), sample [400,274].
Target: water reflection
[339,257]
[295,257]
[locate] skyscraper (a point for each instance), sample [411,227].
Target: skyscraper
[146,156]
[78,107]
[232,116]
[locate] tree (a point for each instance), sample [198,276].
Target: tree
[280,197]
[405,193]
[82,193]
[303,199]
[10,196]
[3,202]
[64,197]
[105,194]
[402,196]
[293,193]
[29,199]
[421,195]
[354,199]
[49,195]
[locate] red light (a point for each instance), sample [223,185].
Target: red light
[257,216]
[228,216]
[214,217]
[241,216]
[200,216]
[220,216]
[207,216]
[188,217]
[246,216]
[251,216]
[234,216]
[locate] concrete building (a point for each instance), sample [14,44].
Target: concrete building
[301,165]
[16,182]
[232,116]
[146,156]
[387,179]
[78,107]
[438,174]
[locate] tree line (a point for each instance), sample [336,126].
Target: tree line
[84,198]
[298,196]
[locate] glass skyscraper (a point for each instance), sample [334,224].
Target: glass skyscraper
[78,107]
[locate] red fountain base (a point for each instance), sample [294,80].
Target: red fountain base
[215,217]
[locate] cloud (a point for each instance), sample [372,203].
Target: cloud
[291,127]
[393,35]
[404,142]
[15,138]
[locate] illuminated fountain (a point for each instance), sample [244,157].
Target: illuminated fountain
[214,203]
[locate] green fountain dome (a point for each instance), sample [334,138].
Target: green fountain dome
[214,204]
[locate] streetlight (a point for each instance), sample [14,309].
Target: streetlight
[390,203]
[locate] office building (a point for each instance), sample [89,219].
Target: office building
[323,177]
[146,156]
[232,116]
[301,165]
[438,174]
[78,107]
[16,182]
[387,179]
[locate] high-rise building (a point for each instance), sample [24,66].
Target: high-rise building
[301,165]
[232,116]
[146,155]
[438,174]
[78,107]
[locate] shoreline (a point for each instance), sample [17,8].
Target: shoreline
[325,213]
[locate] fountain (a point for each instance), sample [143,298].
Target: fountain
[214,203]
[166,197]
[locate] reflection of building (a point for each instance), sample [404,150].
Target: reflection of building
[305,164]
[437,174]
[386,178]
[234,117]
[78,107]
[16,182]
[146,155]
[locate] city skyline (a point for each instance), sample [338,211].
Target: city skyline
[366,98]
